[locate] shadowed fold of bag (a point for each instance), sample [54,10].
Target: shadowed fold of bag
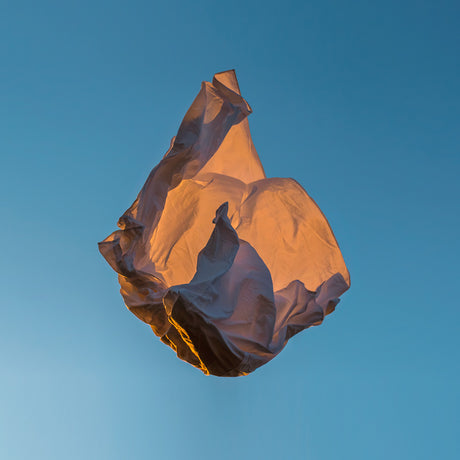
[224,264]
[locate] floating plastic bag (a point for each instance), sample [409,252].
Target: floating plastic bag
[224,264]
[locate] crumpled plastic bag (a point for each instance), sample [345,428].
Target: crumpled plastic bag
[224,264]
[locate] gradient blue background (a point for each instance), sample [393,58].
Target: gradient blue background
[359,101]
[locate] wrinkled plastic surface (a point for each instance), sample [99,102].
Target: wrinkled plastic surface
[224,264]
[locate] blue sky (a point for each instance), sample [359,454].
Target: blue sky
[358,101]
